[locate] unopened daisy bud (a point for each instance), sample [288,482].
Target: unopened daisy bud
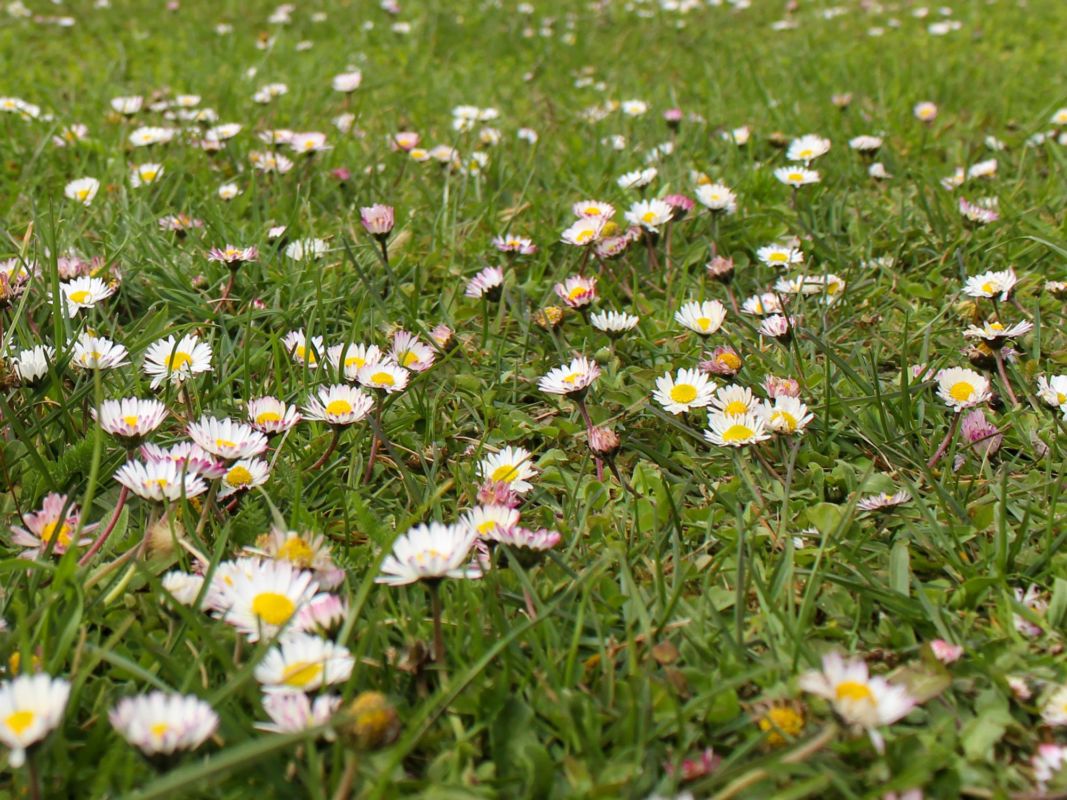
[443,336]
[721,269]
[373,722]
[777,327]
[842,100]
[723,360]
[780,387]
[945,652]
[673,118]
[603,441]
[498,493]
[680,203]
[378,220]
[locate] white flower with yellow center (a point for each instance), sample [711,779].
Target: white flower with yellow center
[733,400]
[717,197]
[807,148]
[384,375]
[291,712]
[303,550]
[613,322]
[160,480]
[97,352]
[584,232]
[990,284]
[430,552]
[962,388]
[84,292]
[228,191]
[311,142]
[996,333]
[51,528]
[265,596]
[1052,391]
[163,723]
[271,415]
[638,178]
[351,357]
[704,318]
[786,416]
[347,81]
[31,706]
[1054,709]
[130,416]
[302,351]
[576,291]
[144,174]
[982,169]
[410,353]
[686,390]
[127,105]
[82,190]
[176,360]
[32,364]
[243,475]
[780,255]
[147,136]
[491,521]
[859,699]
[650,214]
[796,176]
[339,404]
[226,438]
[511,466]
[304,662]
[727,430]
[593,209]
[571,378]
[925,111]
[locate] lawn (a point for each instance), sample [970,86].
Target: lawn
[533,400]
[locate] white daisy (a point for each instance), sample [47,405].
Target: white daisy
[807,148]
[797,176]
[410,353]
[131,416]
[577,376]
[243,475]
[271,415]
[339,404]
[383,375]
[297,345]
[1052,391]
[989,284]
[704,318]
[97,352]
[31,706]
[162,723]
[304,662]
[84,292]
[688,389]
[351,357]
[780,255]
[727,430]
[717,197]
[787,415]
[176,360]
[650,214]
[291,712]
[83,190]
[511,466]
[226,438]
[491,520]
[431,551]
[265,596]
[962,388]
[613,322]
[159,480]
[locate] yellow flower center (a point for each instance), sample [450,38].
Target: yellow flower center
[735,407]
[648,216]
[486,527]
[407,358]
[355,361]
[238,476]
[961,391]
[505,473]
[737,433]
[781,720]
[337,407]
[301,673]
[303,354]
[584,236]
[731,360]
[178,361]
[996,326]
[684,393]
[383,378]
[59,532]
[159,730]
[20,721]
[572,377]
[806,153]
[988,287]
[268,416]
[778,258]
[297,551]
[131,420]
[80,296]
[703,323]
[796,176]
[82,194]
[224,444]
[854,691]
[784,420]
[148,175]
[273,608]
[577,292]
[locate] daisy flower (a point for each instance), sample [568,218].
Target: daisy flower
[83,190]
[787,415]
[585,231]
[593,209]
[982,169]
[807,148]
[990,284]
[865,144]
[704,318]
[487,283]
[291,712]
[1052,391]
[143,174]
[780,255]
[728,430]
[310,142]
[159,480]
[510,466]
[962,388]
[176,360]
[777,326]
[1033,599]
[347,82]
[226,438]
[717,197]
[163,723]
[377,220]
[31,365]
[297,345]
[514,245]
[1047,762]
[127,105]
[303,249]
[383,375]
[270,162]
[243,475]
[183,587]
[410,353]
[271,415]
[430,552]
[776,387]
[339,404]
[187,456]
[878,171]
[683,392]
[54,524]
[883,501]
[31,706]
[147,136]
[797,176]
[264,597]
[577,291]
[303,550]
[304,662]
[860,700]
[571,378]
[520,538]
[490,520]
[637,179]
[228,191]
[1054,709]
[723,360]
[613,323]
[734,400]
[84,292]
[995,334]
[650,214]
[130,417]
[351,357]
[925,111]
[232,255]
[96,352]
[981,212]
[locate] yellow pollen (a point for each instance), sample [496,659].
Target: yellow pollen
[224,444]
[20,721]
[486,527]
[355,361]
[795,176]
[961,391]
[577,292]
[781,720]
[60,532]
[683,393]
[162,483]
[131,420]
[735,407]
[82,194]
[159,730]
[648,216]
[178,361]
[273,608]
[737,433]
[79,296]
[297,551]
[785,419]
[268,416]
[301,673]
[703,323]
[303,354]
[337,407]
[238,476]
[384,378]
[584,236]
[804,154]
[505,473]
[996,326]
[853,690]
[572,377]
[148,175]
[988,287]
[731,360]
[408,358]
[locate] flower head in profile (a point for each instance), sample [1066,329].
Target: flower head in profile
[962,388]
[488,283]
[385,376]
[233,256]
[187,457]
[991,284]
[807,148]
[511,466]
[572,378]
[593,209]
[162,481]
[983,211]
[717,197]
[411,353]
[350,357]
[491,521]
[53,525]
[514,245]
[378,220]
[97,352]
[704,318]
[684,391]
[1052,391]
[577,291]
[996,334]
[130,417]
[144,174]
[163,723]
[308,143]
[347,82]
[291,712]
[303,550]
[723,360]
[638,179]
[32,364]
[227,438]
[883,501]
[1036,602]
[31,707]
[430,552]
[613,323]
[271,415]
[796,176]
[303,351]
[176,360]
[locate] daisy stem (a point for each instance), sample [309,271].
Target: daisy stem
[767,465]
[376,426]
[438,631]
[732,298]
[485,321]
[34,777]
[209,504]
[384,245]
[329,450]
[102,538]
[580,402]
[1004,378]
[348,777]
[227,289]
[653,262]
[941,448]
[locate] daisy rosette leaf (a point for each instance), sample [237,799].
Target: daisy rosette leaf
[304,662]
[430,552]
[31,707]
[161,723]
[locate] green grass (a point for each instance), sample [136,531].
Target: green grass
[668,618]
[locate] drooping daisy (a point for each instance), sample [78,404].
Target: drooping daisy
[130,417]
[989,284]
[271,415]
[571,378]
[159,480]
[787,416]
[613,323]
[339,404]
[861,700]
[31,707]
[807,148]
[430,552]
[780,255]
[883,501]
[510,466]
[962,388]
[383,375]
[304,662]
[97,352]
[84,292]
[410,353]
[227,438]
[351,357]
[265,597]
[490,520]
[83,190]
[704,318]
[717,197]
[577,291]
[684,391]
[727,430]
[981,212]
[650,214]
[796,176]
[296,343]
[54,524]
[163,723]
[32,364]
[176,360]
[291,712]
[243,475]
[585,231]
